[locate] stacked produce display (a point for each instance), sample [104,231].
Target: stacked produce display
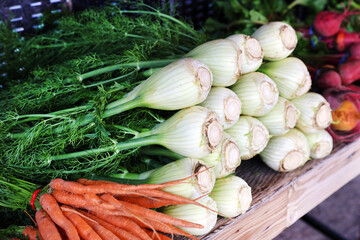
[210,105]
[338,78]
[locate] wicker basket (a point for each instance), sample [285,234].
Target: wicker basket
[22,15]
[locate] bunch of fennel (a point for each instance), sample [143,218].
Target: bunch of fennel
[288,148]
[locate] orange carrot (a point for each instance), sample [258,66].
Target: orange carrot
[108,184]
[172,197]
[129,187]
[163,227]
[120,233]
[166,195]
[46,226]
[31,233]
[88,182]
[69,198]
[95,200]
[148,213]
[79,200]
[100,231]
[124,223]
[52,208]
[84,229]
[77,188]
[152,235]
[127,212]
[149,202]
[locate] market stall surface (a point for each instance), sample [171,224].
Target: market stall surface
[340,212]
[280,199]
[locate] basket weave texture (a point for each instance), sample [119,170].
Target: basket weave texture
[22,15]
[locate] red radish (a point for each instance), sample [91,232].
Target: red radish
[355,51]
[345,39]
[350,71]
[329,79]
[327,23]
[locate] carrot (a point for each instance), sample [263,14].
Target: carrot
[46,226]
[127,212]
[148,213]
[79,200]
[165,228]
[149,202]
[114,189]
[69,198]
[100,231]
[120,233]
[95,200]
[88,182]
[128,187]
[131,187]
[173,197]
[78,188]
[31,233]
[327,23]
[117,213]
[98,187]
[52,208]
[124,223]
[151,234]
[84,229]
[350,71]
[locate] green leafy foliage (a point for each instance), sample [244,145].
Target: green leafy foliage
[244,16]
[39,115]
[12,231]
[107,31]
[14,200]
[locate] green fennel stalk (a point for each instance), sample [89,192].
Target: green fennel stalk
[14,200]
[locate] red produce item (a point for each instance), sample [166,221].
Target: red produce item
[327,23]
[329,79]
[355,51]
[350,71]
[345,103]
[345,39]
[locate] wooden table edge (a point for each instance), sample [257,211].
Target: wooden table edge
[269,217]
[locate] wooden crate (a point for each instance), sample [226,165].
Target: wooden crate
[280,199]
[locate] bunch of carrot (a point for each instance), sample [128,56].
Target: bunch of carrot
[89,209]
